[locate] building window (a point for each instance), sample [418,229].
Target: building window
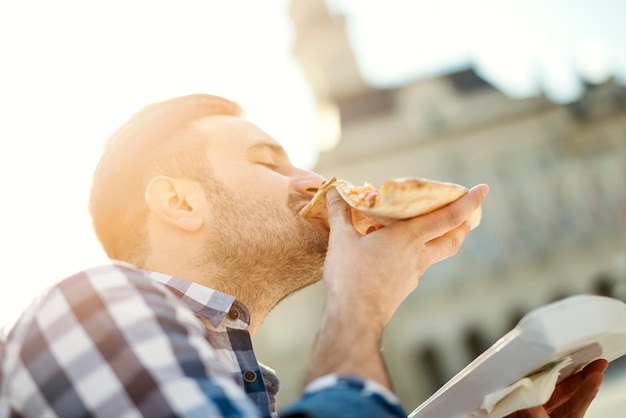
[475,342]
[604,285]
[431,363]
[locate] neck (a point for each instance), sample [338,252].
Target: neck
[259,287]
[257,295]
[260,294]
[258,311]
[259,298]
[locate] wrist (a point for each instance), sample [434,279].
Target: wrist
[353,323]
[356,311]
[349,344]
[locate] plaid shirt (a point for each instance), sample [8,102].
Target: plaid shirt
[115,341]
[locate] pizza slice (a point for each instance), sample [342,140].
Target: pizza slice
[400,198]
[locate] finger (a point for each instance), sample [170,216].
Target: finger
[373,228]
[448,244]
[577,405]
[599,365]
[440,221]
[535,412]
[339,214]
[568,387]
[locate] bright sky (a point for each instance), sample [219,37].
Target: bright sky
[72,71]
[523,47]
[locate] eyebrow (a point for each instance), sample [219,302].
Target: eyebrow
[275,148]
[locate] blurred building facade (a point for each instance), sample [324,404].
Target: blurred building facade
[554,224]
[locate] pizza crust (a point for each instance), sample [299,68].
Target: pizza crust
[400,198]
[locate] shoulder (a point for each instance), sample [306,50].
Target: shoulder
[125,294]
[106,277]
[106,311]
[108,297]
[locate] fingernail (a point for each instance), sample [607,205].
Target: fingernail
[332,196]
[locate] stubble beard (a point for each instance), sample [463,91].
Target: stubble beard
[261,249]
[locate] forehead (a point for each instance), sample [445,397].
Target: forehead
[232,132]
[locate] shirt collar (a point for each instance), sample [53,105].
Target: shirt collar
[210,304]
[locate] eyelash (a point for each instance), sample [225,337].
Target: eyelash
[271,166]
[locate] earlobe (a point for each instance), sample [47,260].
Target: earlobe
[174,202]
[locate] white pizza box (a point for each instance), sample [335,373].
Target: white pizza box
[583,328]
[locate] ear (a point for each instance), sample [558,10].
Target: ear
[176,202]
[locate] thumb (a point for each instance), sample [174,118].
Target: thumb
[339,213]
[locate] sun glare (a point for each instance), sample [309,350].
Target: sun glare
[77,70]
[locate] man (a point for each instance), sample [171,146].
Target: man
[200,208]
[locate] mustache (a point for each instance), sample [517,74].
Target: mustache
[295,202]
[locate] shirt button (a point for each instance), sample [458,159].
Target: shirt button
[233,314]
[249,376]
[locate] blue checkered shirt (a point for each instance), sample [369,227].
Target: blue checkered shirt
[115,341]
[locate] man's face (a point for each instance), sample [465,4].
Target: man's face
[254,226]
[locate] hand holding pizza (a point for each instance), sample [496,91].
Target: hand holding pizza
[375,272]
[378,249]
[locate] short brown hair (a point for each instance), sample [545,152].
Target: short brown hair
[156,140]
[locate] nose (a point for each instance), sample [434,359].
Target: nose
[307,182]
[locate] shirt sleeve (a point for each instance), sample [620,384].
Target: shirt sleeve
[346,397]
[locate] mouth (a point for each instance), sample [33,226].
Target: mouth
[297,204]
[317,223]
[301,206]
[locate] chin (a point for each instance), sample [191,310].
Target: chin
[319,225]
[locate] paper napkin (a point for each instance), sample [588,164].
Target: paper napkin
[527,392]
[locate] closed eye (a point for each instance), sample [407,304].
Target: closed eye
[271,166]
[268,155]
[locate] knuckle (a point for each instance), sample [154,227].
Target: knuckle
[455,244]
[457,239]
[453,218]
[414,235]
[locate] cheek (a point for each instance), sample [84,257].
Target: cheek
[274,195]
[265,183]
[258,205]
